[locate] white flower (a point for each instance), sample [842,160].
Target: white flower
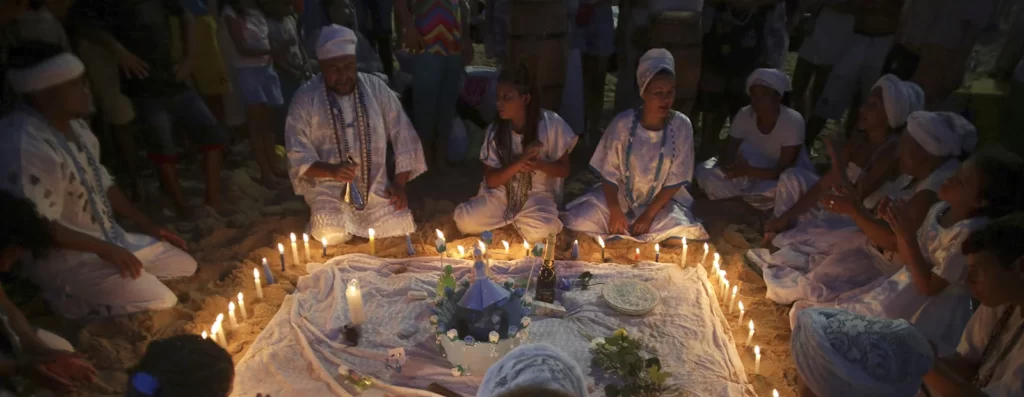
[596,343]
[455,372]
[526,322]
[453,334]
[433,319]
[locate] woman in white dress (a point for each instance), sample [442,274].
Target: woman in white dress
[526,157]
[764,151]
[838,252]
[644,159]
[928,290]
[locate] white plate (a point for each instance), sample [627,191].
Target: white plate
[630,297]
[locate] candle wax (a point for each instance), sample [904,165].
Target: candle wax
[231,315]
[355,303]
[241,307]
[256,280]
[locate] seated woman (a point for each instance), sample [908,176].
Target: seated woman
[990,358]
[525,156]
[644,160]
[764,151]
[814,262]
[927,290]
[842,354]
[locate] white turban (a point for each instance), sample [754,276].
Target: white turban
[537,365]
[771,78]
[900,98]
[942,134]
[60,69]
[654,60]
[335,40]
[841,354]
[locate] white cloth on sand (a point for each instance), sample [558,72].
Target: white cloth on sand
[942,317]
[310,136]
[65,187]
[856,71]
[826,254]
[299,352]
[1006,376]
[640,167]
[762,151]
[539,216]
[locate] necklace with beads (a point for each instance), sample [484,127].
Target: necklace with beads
[665,138]
[362,131]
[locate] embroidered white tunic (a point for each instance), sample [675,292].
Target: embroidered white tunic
[68,185]
[539,216]
[943,317]
[310,136]
[1006,375]
[641,164]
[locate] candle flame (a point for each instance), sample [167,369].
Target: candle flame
[264,261]
[657,248]
[705,247]
[353,286]
[741,306]
[505,243]
[775,393]
[751,325]
[305,238]
[323,241]
[280,247]
[204,335]
[600,241]
[231,307]
[526,245]
[757,350]
[220,318]
[734,288]
[483,247]
[462,251]
[372,233]
[439,234]
[240,298]
[292,237]
[256,273]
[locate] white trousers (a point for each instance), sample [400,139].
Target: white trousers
[79,284]
[857,69]
[486,211]
[777,195]
[589,214]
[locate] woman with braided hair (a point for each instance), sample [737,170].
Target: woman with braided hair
[525,156]
[645,161]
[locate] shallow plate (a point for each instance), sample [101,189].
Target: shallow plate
[630,297]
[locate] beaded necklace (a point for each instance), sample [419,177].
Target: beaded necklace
[98,202]
[661,156]
[988,365]
[362,130]
[518,188]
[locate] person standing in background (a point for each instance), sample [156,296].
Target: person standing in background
[375,24]
[433,31]
[594,35]
[209,75]
[833,29]
[293,68]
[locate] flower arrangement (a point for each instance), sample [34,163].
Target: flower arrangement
[632,364]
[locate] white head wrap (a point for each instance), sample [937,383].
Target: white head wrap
[900,98]
[942,134]
[57,70]
[654,60]
[771,78]
[538,365]
[335,40]
[841,354]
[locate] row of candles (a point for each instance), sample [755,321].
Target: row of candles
[218,333]
[730,301]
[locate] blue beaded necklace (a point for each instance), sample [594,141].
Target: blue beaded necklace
[362,130]
[661,156]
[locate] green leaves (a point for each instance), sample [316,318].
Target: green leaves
[637,372]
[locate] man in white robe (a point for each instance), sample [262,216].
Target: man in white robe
[337,132]
[49,156]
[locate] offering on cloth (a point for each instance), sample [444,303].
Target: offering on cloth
[447,281]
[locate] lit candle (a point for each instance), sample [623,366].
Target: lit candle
[221,333]
[636,256]
[373,243]
[505,243]
[323,243]
[213,334]
[267,273]
[750,336]
[600,242]
[462,252]
[575,249]
[295,250]
[757,360]
[256,280]
[408,245]
[775,393]
[682,259]
[355,303]
[526,249]
[733,297]
[440,245]
[241,307]
[231,315]
[657,252]
[740,321]
[717,261]
[705,257]
[725,290]
[204,334]
[483,247]
[305,245]
[280,249]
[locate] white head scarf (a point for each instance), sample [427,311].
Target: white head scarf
[654,60]
[59,69]
[538,365]
[335,40]
[942,134]
[900,98]
[840,354]
[771,78]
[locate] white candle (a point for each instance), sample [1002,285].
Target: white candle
[462,252]
[280,249]
[750,336]
[526,249]
[505,243]
[757,360]
[373,243]
[483,247]
[682,258]
[256,280]
[717,261]
[231,315]
[355,303]
[705,257]
[241,307]
[600,241]
[775,393]
[213,334]
[221,333]
[725,290]
[305,245]
[323,243]
[657,252]
[733,298]
[295,251]
[741,312]
[204,334]
[636,257]
[721,282]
